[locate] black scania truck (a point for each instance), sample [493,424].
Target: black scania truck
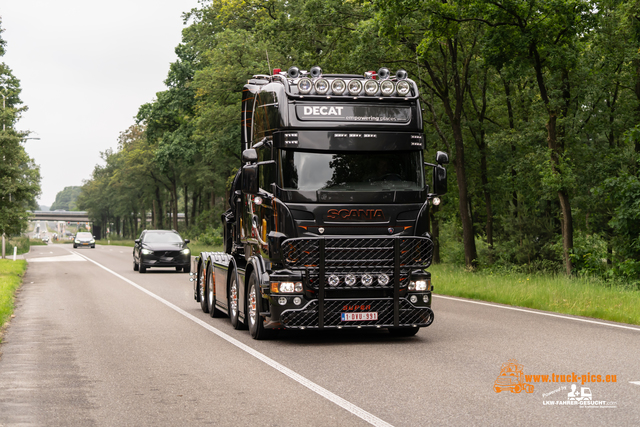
[329,213]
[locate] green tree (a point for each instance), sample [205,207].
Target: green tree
[19,176]
[66,199]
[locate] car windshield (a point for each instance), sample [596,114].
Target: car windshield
[84,235]
[162,238]
[362,171]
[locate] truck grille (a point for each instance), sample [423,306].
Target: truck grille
[307,317]
[357,256]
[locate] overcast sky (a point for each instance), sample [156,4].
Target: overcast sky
[85,66]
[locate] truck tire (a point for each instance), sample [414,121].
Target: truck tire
[211,295]
[202,290]
[254,304]
[406,331]
[233,302]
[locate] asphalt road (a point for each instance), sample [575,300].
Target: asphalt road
[95,343]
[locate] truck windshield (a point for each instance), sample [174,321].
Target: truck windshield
[361,171]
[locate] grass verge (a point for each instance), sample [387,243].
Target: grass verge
[11,273]
[581,297]
[23,244]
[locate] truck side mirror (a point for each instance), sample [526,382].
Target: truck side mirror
[442,158]
[249,156]
[249,178]
[440,179]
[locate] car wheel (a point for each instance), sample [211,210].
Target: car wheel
[233,302]
[75,246]
[187,269]
[408,331]
[178,269]
[202,281]
[135,265]
[254,303]
[211,295]
[143,269]
[93,247]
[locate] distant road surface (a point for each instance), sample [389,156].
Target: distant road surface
[94,343]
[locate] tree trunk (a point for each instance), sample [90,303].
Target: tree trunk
[194,206]
[174,197]
[159,214]
[186,206]
[563,197]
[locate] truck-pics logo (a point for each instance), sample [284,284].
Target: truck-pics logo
[511,378]
[356,214]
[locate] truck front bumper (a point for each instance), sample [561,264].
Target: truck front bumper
[307,316]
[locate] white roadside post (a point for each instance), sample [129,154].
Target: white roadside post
[15,252]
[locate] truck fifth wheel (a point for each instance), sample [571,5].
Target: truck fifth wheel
[328,226]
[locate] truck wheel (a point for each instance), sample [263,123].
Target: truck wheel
[254,303]
[233,302]
[211,295]
[407,331]
[202,290]
[516,389]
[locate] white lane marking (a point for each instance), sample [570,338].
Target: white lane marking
[62,258]
[541,313]
[345,404]
[635,382]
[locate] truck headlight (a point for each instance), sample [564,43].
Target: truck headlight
[322,86]
[387,87]
[354,87]
[338,86]
[403,88]
[146,252]
[304,86]
[371,87]
[418,285]
[286,287]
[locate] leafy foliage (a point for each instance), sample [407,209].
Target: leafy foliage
[536,102]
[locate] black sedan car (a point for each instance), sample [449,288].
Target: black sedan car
[161,248]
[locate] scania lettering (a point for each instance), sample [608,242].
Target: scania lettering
[328,219]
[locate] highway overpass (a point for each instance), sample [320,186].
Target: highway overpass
[69,216]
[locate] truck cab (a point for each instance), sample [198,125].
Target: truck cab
[328,225]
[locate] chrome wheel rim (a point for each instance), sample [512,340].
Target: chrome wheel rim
[234,297]
[201,287]
[211,297]
[252,305]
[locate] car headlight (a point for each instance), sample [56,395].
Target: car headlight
[146,252]
[92,241]
[76,241]
[186,251]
